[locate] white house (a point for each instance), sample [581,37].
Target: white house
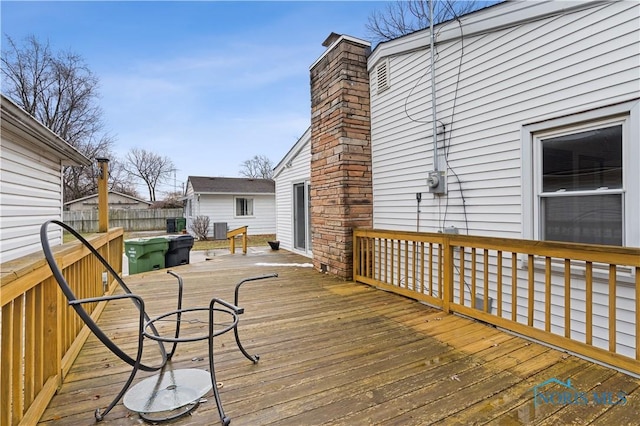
[231,203]
[31,172]
[537,121]
[292,177]
[537,125]
[117,201]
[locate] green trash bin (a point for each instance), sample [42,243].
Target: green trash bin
[181,224]
[146,254]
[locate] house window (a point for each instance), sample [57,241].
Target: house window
[581,182]
[580,186]
[244,206]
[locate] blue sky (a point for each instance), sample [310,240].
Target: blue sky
[207,83]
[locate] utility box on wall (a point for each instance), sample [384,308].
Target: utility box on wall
[437,182]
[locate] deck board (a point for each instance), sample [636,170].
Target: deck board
[335,352]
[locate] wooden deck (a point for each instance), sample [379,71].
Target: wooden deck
[335,352]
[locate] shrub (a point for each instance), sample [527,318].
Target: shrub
[200,227]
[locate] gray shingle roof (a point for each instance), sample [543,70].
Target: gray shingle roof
[203,184]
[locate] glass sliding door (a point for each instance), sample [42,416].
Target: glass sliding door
[301,231]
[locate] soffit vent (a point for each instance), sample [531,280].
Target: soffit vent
[382,72]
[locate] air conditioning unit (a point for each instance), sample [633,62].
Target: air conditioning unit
[220,231]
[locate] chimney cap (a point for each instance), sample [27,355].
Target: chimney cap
[329,40]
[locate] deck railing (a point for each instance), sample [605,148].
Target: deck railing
[231,236]
[40,334]
[580,298]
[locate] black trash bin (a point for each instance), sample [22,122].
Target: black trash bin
[171,225]
[179,250]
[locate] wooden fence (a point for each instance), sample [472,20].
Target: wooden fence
[581,298]
[40,334]
[86,221]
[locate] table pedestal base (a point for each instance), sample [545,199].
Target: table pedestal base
[168,395]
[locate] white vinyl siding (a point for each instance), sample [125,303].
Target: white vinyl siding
[548,67]
[222,208]
[298,171]
[31,193]
[567,63]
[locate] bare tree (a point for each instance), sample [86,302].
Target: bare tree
[172,200]
[120,180]
[257,167]
[406,16]
[200,227]
[151,168]
[60,91]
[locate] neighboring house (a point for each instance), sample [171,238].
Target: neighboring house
[537,119]
[31,180]
[292,176]
[117,201]
[231,203]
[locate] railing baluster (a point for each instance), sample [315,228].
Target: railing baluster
[474,268]
[6,375]
[567,298]
[406,263]
[589,303]
[431,271]
[499,283]
[531,293]
[30,347]
[485,306]
[386,262]
[547,293]
[422,267]
[17,364]
[514,287]
[379,259]
[461,272]
[414,267]
[393,257]
[612,308]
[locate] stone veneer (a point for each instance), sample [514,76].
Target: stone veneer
[341,188]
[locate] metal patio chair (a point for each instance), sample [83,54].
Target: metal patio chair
[149,397]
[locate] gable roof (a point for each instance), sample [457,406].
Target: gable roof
[304,140]
[224,185]
[88,197]
[17,121]
[507,14]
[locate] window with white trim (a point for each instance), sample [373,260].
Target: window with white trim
[579,184]
[581,177]
[244,206]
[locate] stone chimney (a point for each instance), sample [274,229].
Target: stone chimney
[341,188]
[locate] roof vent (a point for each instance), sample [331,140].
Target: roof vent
[382,71]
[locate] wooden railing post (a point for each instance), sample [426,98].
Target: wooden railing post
[103,195]
[244,242]
[356,254]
